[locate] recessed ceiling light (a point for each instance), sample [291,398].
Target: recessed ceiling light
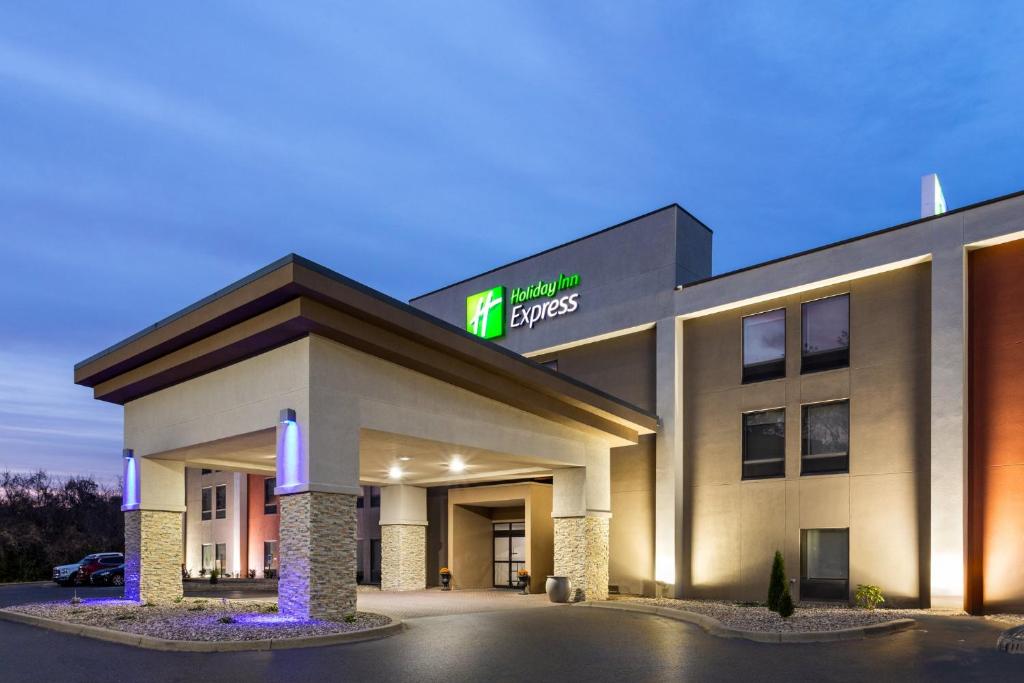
[404,458]
[456,465]
[395,472]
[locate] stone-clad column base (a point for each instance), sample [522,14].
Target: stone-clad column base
[318,555]
[403,557]
[152,555]
[581,553]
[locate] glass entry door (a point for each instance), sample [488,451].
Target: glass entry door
[509,553]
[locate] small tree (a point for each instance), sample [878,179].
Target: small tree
[213,575]
[786,608]
[777,584]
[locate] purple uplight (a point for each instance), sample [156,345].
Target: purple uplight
[270,620]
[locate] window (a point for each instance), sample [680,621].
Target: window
[207,556]
[375,496]
[826,334]
[269,499]
[359,502]
[207,503]
[825,564]
[270,555]
[222,557]
[826,438]
[222,501]
[204,471]
[764,346]
[764,444]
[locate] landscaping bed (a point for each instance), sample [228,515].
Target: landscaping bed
[807,618]
[214,620]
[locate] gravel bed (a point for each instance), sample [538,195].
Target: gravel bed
[1008,619]
[197,619]
[746,617]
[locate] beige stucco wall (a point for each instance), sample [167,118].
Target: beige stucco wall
[631,529]
[732,526]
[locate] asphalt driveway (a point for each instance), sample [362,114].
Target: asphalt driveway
[556,644]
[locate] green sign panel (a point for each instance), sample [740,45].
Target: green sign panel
[485,313]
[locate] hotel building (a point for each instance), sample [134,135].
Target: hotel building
[608,410]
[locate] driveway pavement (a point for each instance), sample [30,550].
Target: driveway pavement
[558,643]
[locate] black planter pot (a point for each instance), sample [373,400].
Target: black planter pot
[446,582]
[524,583]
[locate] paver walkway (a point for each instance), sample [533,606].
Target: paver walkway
[434,602]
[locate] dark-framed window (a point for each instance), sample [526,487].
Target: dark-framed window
[764,444]
[825,334]
[825,437]
[222,501]
[375,496]
[764,346]
[269,499]
[359,502]
[221,559]
[204,471]
[207,505]
[824,564]
[207,556]
[271,556]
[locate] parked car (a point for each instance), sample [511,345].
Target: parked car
[110,576]
[78,572]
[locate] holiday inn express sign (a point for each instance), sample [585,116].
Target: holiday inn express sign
[485,311]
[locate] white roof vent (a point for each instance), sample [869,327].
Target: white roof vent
[932,201]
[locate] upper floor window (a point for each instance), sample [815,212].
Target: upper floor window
[764,346]
[269,499]
[207,502]
[764,444]
[826,334]
[222,501]
[826,438]
[375,496]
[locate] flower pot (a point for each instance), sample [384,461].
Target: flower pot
[558,588]
[524,584]
[446,581]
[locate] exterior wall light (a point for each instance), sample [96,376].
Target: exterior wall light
[287,415]
[130,498]
[289,450]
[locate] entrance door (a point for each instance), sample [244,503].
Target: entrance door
[509,553]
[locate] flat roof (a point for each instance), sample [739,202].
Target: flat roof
[564,244]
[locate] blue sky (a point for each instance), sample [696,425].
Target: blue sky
[151,154]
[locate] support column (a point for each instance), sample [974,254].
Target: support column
[581,508]
[670,567]
[403,538]
[318,555]
[153,497]
[948,426]
[317,485]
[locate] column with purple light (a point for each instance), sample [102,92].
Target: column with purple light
[317,482]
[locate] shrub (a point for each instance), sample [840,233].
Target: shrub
[777,583]
[213,576]
[272,608]
[786,608]
[227,619]
[202,572]
[350,618]
[868,596]
[269,573]
[252,573]
[177,600]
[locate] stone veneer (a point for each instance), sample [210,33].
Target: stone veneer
[403,557]
[581,553]
[152,555]
[318,555]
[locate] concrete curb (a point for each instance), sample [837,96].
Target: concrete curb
[716,628]
[151,643]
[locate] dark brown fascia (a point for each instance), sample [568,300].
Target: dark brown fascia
[303,316]
[280,305]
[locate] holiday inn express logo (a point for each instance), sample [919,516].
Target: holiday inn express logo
[485,313]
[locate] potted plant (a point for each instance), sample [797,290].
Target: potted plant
[524,580]
[446,579]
